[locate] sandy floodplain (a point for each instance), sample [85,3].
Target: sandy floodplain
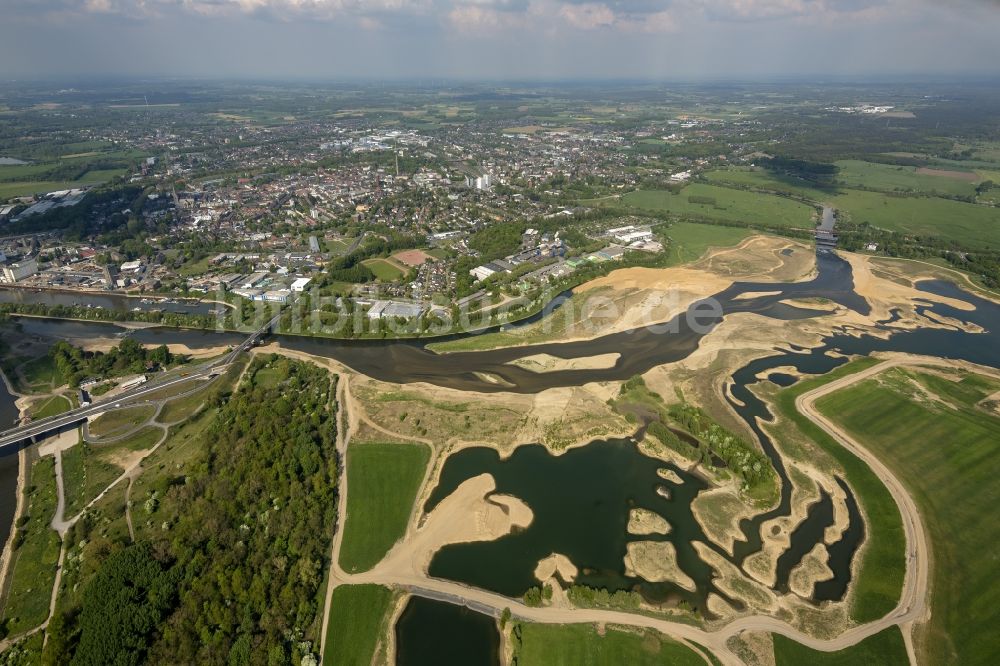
[656,562]
[472,513]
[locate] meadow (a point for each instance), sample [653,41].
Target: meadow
[689,240]
[382,481]
[969,224]
[892,178]
[357,616]
[581,645]
[880,576]
[885,647]
[943,444]
[33,563]
[724,203]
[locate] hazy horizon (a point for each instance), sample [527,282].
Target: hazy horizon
[499,40]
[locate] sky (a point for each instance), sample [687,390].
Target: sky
[498,39]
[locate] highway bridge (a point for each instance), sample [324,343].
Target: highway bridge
[11,439]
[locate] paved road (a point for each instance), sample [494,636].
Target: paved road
[15,436]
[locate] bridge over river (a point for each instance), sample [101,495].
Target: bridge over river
[29,432]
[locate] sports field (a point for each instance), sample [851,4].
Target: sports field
[384,269]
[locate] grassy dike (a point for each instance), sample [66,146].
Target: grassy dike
[880,577]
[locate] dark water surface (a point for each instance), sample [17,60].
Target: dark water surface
[435,633]
[583,496]
[106,301]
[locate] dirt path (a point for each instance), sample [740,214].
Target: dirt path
[912,608]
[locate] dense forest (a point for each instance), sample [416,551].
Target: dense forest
[236,576]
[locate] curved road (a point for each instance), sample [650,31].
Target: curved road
[911,609]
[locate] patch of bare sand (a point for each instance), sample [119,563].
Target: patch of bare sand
[719,512]
[884,295]
[811,570]
[766,257]
[60,442]
[760,648]
[749,295]
[643,522]
[549,363]
[656,561]
[471,513]
[556,565]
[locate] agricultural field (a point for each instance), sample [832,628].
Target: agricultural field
[724,203]
[383,479]
[969,224]
[941,438]
[357,621]
[23,188]
[891,178]
[771,182]
[582,645]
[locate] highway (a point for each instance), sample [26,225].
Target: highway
[14,436]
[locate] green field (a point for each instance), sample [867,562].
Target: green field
[382,484]
[120,421]
[86,473]
[384,270]
[51,406]
[882,649]
[41,374]
[18,189]
[689,241]
[581,645]
[970,224]
[880,576]
[891,178]
[945,449]
[765,180]
[357,618]
[34,561]
[729,204]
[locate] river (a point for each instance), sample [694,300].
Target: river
[640,350]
